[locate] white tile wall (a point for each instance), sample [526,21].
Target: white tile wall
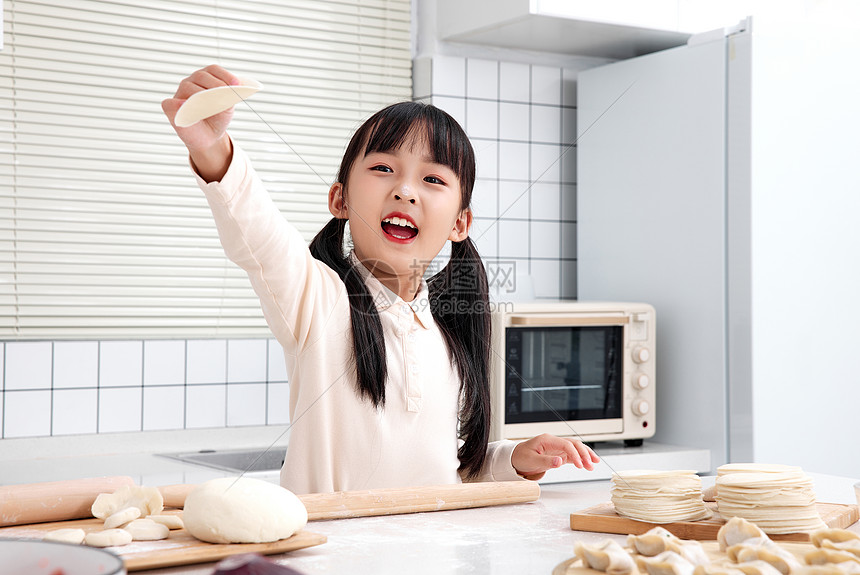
[246,404]
[76,364]
[522,122]
[120,409]
[84,387]
[247,360]
[120,363]
[163,362]
[28,365]
[205,406]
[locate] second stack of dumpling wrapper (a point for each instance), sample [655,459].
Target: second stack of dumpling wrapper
[777,498]
[659,496]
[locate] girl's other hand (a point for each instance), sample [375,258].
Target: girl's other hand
[534,457]
[207,141]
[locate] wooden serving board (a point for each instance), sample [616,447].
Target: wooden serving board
[603,519]
[180,548]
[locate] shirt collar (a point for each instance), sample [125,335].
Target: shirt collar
[384,298]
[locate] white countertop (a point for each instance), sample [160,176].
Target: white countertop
[525,538]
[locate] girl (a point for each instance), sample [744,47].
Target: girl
[388,372]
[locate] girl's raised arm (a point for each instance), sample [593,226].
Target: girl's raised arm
[207,141]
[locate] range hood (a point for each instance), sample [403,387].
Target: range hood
[615,29]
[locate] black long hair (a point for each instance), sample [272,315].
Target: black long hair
[459,295]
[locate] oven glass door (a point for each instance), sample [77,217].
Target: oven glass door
[563,373]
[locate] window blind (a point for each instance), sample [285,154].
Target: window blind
[103,232]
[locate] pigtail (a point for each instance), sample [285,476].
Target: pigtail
[459,301]
[368,340]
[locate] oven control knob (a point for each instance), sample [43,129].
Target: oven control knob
[641,407]
[641,354]
[641,381]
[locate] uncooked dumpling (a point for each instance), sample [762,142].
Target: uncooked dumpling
[607,556]
[736,530]
[763,550]
[824,556]
[715,569]
[666,563]
[758,568]
[834,535]
[653,542]
[851,546]
[243,510]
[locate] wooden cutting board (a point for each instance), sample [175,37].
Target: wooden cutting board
[180,548]
[603,519]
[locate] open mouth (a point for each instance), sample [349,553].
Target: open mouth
[399,228]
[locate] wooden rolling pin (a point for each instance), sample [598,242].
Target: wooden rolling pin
[37,503]
[54,500]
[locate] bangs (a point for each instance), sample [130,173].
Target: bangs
[407,123]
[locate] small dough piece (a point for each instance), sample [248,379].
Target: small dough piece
[147,530]
[737,530]
[607,556]
[171,521]
[120,518]
[73,536]
[207,103]
[108,538]
[147,499]
[666,563]
[242,510]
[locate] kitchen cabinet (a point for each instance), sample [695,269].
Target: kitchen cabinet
[582,28]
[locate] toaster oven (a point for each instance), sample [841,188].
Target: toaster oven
[573,369]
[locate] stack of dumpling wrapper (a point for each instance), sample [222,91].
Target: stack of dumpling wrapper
[659,496]
[777,498]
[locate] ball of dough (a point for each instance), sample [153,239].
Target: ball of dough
[243,510]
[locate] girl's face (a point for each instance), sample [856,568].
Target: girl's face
[402,207]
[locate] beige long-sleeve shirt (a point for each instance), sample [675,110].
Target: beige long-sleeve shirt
[338,440]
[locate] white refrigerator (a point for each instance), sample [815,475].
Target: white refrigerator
[715,182]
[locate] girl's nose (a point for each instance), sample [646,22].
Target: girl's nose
[404,193]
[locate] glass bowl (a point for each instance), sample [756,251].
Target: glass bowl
[34,557]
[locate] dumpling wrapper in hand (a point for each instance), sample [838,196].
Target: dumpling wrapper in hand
[207,103]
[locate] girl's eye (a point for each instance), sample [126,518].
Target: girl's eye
[382,168]
[434,180]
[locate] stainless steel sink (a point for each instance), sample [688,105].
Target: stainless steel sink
[238,460]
